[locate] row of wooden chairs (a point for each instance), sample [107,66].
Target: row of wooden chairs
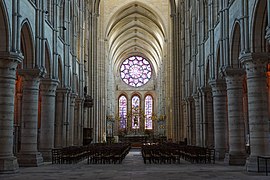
[172,153]
[112,153]
[94,153]
[196,154]
[159,153]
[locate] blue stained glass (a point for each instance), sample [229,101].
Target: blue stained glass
[135,112]
[122,112]
[136,70]
[148,112]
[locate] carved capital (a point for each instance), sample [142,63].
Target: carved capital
[48,87]
[65,90]
[255,63]
[218,87]
[31,74]
[8,64]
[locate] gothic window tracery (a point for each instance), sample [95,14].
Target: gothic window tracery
[148,112]
[136,71]
[135,112]
[123,111]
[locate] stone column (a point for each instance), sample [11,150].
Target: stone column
[209,121]
[8,64]
[197,120]
[188,121]
[47,91]
[71,124]
[220,117]
[234,80]
[77,122]
[185,120]
[61,121]
[255,64]
[203,117]
[29,155]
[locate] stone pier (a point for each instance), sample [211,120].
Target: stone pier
[255,64]
[234,80]
[220,117]
[8,65]
[47,91]
[29,155]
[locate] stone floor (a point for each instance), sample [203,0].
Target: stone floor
[133,168]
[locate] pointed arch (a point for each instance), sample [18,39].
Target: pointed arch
[148,111]
[135,110]
[60,71]
[4,28]
[27,45]
[235,46]
[258,27]
[217,63]
[122,111]
[62,19]
[48,61]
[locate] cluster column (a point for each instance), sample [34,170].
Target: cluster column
[234,80]
[29,155]
[8,64]
[48,92]
[220,117]
[255,64]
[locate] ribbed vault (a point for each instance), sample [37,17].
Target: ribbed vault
[136,29]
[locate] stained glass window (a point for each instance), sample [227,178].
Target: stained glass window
[135,71]
[123,112]
[148,112]
[135,112]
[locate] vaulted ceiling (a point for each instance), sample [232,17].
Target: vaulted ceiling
[136,29]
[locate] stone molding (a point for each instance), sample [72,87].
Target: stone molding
[218,87]
[48,87]
[8,64]
[234,77]
[32,74]
[255,63]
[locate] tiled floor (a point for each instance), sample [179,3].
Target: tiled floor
[134,168]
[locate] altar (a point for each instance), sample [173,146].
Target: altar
[135,140]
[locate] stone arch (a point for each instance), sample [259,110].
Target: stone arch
[207,74]
[27,45]
[258,27]
[136,27]
[48,61]
[76,84]
[4,28]
[60,72]
[217,63]
[235,46]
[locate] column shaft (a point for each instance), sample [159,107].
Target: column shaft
[8,64]
[234,80]
[48,88]
[29,155]
[255,65]
[197,120]
[71,124]
[220,117]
